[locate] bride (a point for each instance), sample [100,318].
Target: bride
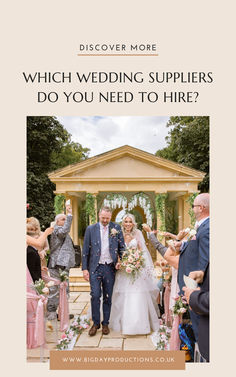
[134,307]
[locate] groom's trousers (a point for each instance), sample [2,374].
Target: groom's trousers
[102,282]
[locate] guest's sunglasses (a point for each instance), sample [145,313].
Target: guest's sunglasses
[195,205]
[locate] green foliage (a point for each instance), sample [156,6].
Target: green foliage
[188,144]
[70,153]
[90,208]
[160,208]
[59,203]
[49,147]
[171,217]
[82,219]
[44,135]
[138,218]
[190,200]
[40,198]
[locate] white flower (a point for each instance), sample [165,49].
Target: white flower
[187,230]
[130,259]
[50,284]
[114,232]
[182,310]
[45,290]
[192,232]
[84,325]
[70,335]
[170,243]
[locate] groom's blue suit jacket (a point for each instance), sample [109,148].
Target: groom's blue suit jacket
[195,254]
[92,245]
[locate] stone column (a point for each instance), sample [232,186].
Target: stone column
[96,205]
[91,220]
[75,222]
[69,197]
[180,213]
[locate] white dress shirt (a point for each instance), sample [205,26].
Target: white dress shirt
[105,253]
[200,222]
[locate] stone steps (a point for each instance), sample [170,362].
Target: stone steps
[80,287]
[77,282]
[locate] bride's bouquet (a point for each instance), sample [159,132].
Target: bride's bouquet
[132,261]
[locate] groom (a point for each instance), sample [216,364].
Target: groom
[103,243]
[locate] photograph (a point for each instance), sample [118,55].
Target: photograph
[117,141]
[117,231]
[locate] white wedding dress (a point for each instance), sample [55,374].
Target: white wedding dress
[134,308]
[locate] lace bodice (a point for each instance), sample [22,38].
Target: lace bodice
[132,243]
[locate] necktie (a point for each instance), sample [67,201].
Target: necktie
[104,230]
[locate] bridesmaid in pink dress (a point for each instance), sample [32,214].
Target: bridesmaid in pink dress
[32,304]
[31,309]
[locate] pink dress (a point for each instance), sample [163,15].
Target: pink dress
[174,288]
[31,310]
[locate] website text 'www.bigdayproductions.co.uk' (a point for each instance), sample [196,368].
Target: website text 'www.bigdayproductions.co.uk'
[117,360]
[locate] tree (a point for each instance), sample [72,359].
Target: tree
[49,147]
[188,144]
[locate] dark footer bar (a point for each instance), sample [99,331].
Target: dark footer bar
[104,359]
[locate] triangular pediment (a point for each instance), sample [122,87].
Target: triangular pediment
[125,162]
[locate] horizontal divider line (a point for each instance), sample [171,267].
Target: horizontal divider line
[117,54]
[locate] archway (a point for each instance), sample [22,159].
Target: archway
[137,211]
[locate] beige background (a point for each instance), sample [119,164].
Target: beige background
[44,36]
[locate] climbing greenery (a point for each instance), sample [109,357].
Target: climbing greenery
[59,203]
[190,200]
[160,209]
[90,208]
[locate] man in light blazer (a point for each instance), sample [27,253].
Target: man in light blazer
[62,256]
[103,243]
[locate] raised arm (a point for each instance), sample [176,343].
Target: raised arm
[157,244]
[171,258]
[62,231]
[39,242]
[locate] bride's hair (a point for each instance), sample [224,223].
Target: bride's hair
[133,231]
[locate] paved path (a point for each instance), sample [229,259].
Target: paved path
[78,304]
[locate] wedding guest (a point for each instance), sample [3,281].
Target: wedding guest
[33,273]
[198,299]
[194,254]
[169,256]
[62,257]
[33,229]
[33,258]
[201,209]
[39,242]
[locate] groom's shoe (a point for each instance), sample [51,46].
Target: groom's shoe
[105,330]
[93,330]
